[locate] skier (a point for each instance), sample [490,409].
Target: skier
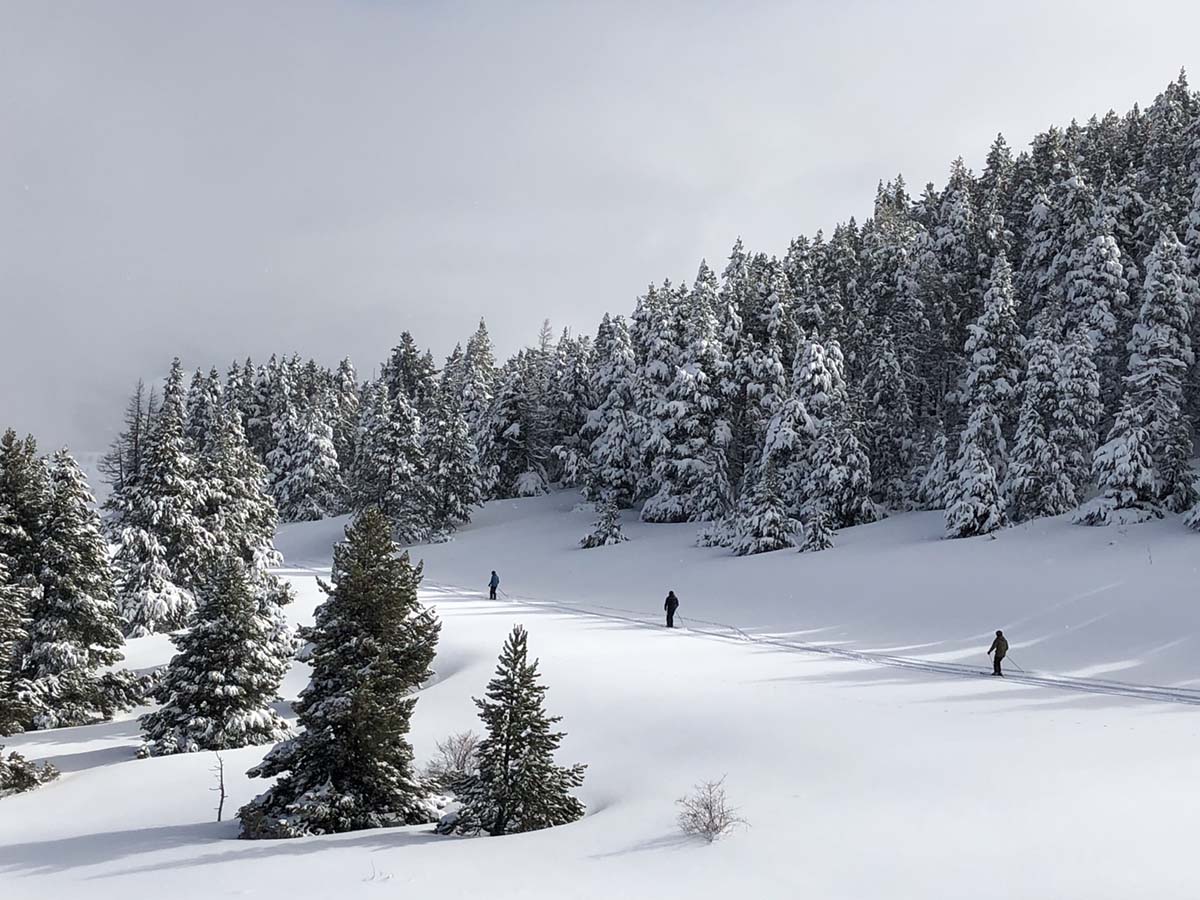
[1000,648]
[670,606]
[493,584]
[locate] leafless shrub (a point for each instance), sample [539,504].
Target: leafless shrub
[455,760]
[706,811]
[219,772]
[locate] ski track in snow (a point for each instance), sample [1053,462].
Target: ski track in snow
[1155,693]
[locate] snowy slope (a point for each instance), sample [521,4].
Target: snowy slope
[858,780]
[1110,603]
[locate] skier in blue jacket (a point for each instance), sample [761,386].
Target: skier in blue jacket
[493,585]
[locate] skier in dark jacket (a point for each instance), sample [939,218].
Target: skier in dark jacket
[670,606]
[493,584]
[1000,648]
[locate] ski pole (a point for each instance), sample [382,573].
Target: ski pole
[1017,664]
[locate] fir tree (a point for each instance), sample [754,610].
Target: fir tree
[612,426]
[518,787]
[169,492]
[839,474]
[974,505]
[203,405]
[515,463]
[890,424]
[454,482]
[1078,413]
[148,601]
[74,621]
[1160,356]
[237,509]
[934,487]
[479,377]
[345,400]
[787,448]
[122,464]
[993,350]
[218,689]
[390,469]
[1038,482]
[307,482]
[1124,471]
[607,529]
[351,766]
[14,637]
[18,775]
[763,523]
[25,495]
[817,536]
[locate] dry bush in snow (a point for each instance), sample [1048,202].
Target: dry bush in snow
[455,760]
[706,811]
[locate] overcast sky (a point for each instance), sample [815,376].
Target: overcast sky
[220,179]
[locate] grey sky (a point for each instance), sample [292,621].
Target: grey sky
[221,179]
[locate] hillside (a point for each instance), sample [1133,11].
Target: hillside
[858,779]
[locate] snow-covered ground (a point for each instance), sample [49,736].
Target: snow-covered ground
[860,777]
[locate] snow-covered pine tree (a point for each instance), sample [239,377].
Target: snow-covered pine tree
[148,600]
[453,372]
[1097,302]
[1078,412]
[239,390]
[25,494]
[237,511]
[607,529]
[612,427]
[839,474]
[763,524]
[204,401]
[693,484]
[169,491]
[819,380]
[658,325]
[122,464]
[344,402]
[974,505]
[787,448]
[1124,470]
[412,374]
[1038,482]
[515,463]
[479,378]
[837,470]
[1191,243]
[307,482]
[351,767]
[14,638]
[936,478]
[217,691]
[817,534]
[74,624]
[1160,355]
[390,470]
[18,775]
[994,359]
[890,424]
[518,787]
[454,483]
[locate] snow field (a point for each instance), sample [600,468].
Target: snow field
[857,780]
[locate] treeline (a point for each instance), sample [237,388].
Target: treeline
[1015,344]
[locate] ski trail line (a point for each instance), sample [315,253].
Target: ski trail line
[725,631]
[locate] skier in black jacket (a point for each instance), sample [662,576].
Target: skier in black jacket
[1000,648]
[670,606]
